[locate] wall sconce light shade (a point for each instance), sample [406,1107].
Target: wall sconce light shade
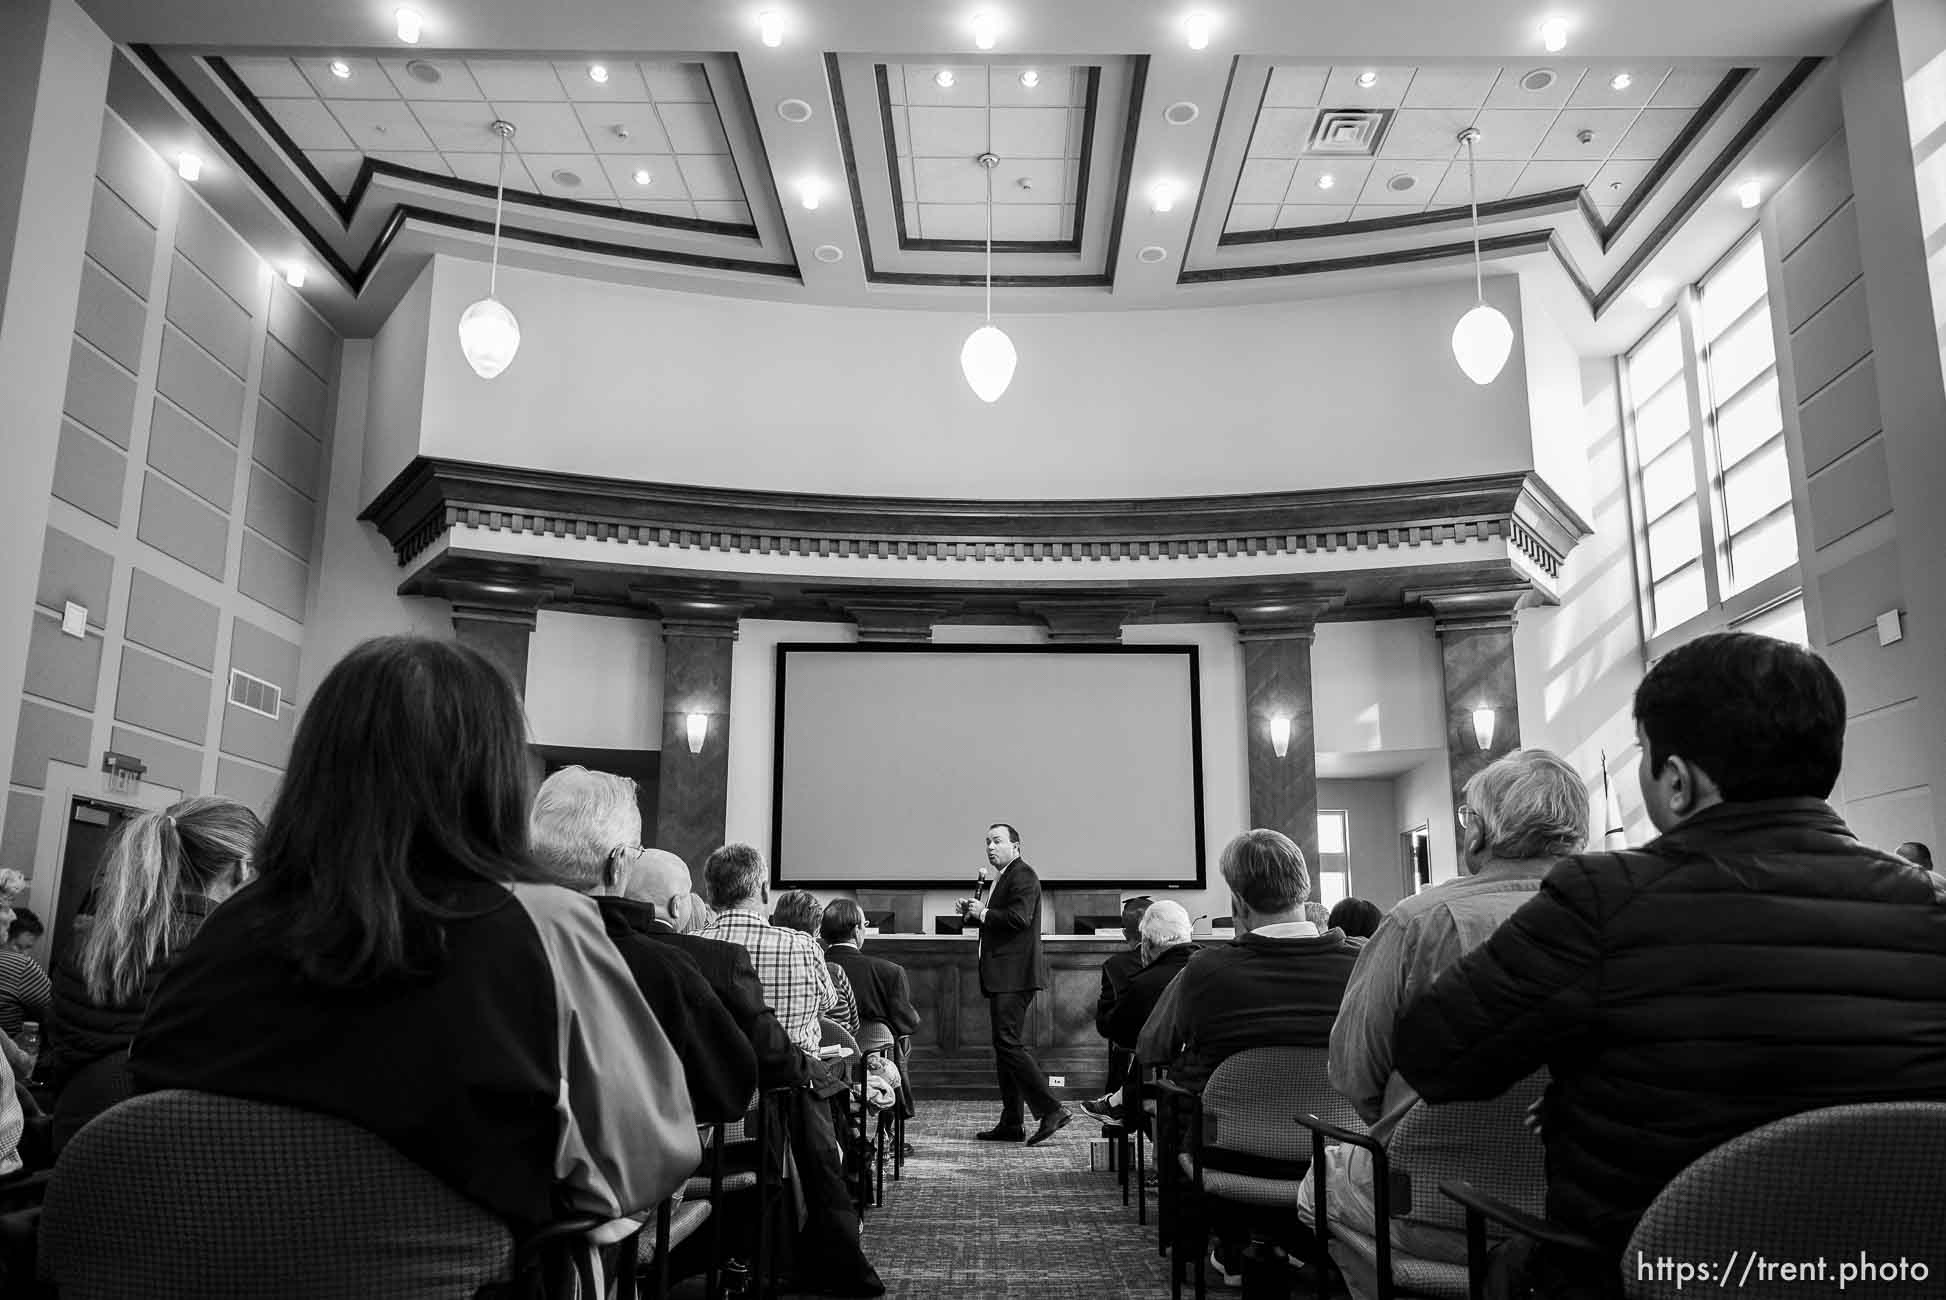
[698,730]
[1280,735]
[1483,726]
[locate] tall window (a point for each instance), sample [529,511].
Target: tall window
[1710,484]
[1334,857]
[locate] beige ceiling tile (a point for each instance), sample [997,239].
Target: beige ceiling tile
[1042,176]
[338,167]
[367,79]
[431,77]
[1282,132]
[520,80]
[901,132]
[1251,216]
[1688,87]
[1347,178]
[379,124]
[1381,211]
[1293,217]
[1597,89]
[673,82]
[969,85]
[1030,132]
[1495,180]
[569,176]
[460,127]
[1510,134]
[736,214]
[1545,177]
[1654,131]
[1055,89]
[661,207]
[693,128]
[419,161]
[1425,133]
[1341,88]
[710,176]
[957,133]
[623,128]
[272,78]
[1264,180]
[953,221]
[308,123]
[1031,221]
[1512,90]
[665,180]
[624,84]
[1604,125]
[1616,183]
[948,180]
[543,128]
[1419,180]
[1295,87]
[480,168]
[1450,86]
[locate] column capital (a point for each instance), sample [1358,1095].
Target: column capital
[513,597]
[1277,615]
[883,617]
[1489,607]
[698,611]
[1087,618]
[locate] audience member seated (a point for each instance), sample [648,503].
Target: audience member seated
[1522,814]
[162,879]
[1357,917]
[1319,915]
[885,1009]
[25,930]
[1115,972]
[799,909]
[398,964]
[12,1122]
[1752,962]
[1916,853]
[1165,949]
[24,988]
[582,825]
[1277,984]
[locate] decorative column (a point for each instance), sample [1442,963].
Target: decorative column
[1075,619]
[699,632]
[1276,631]
[495,615]
[882,618]
[1475,626]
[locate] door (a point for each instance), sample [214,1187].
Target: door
[92,824]
[1415,853]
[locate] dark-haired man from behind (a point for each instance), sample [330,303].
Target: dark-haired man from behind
[1752,962]
[1116,972]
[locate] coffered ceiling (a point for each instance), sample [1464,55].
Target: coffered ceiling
[1133,171]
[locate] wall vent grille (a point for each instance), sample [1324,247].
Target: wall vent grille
[255,694]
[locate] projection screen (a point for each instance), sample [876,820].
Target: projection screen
[892,761]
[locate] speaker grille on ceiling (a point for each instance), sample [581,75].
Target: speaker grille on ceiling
[255,694]
[1349,132]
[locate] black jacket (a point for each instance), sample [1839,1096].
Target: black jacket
[1755,962]
[1144,989]
[1010,936]
[82,1031]
[1116,972]
[879,986]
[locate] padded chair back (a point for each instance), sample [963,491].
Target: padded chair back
[195,1196]
[1484,1143]
[1250,1098]
[833,1032]
[1845,1182]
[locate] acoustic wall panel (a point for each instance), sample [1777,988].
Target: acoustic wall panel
[195,381]
[296,391]
[1850,494]
[208,315]
[1832,341]
[298,328]
[283,516]
[272,578]
[159,694]
[131,169]
[47,735]
[264,655]
[101,395]
[89,473]
[251,786]
[22,833]
[1858,591]
[1873,675]
[61,668]
[72,570]
[1809,198]
[172,621]
[287,451]
[1822,267]
[110,317]
[121,241]
[178,524]
[1842,416]
[216,251]
[177,766]
[191,455]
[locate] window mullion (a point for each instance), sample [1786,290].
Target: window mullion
[1708,492]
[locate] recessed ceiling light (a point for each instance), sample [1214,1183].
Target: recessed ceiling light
[1366,80]
[1326,181]
[1554,35]
[770,27]
[808,193]
[340,69]
[642,176]
[294,276]
[566,179]
[793,110]
[1196,30]
[828,253]
[1402,182]
[1180,113]
[1162,196]
[986,29]
[1750,193]
[1652,293]
[189,166]
[1030,78]
[1153,253]
[598,73]
[422,71]
[410,25]
[943,78]
[1537,80]
[1621,81]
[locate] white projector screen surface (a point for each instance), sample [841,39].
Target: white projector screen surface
[891,763]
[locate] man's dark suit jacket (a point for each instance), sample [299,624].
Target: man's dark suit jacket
[1116,972]
[1144,989]
[727,969]
[879,986]
[1010,936]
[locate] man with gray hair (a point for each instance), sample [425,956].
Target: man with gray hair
[1165,948]
[1521,814]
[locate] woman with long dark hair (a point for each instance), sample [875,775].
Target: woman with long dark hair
[164,875]
[396,964]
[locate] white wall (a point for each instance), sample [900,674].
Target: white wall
[1377,685]
[693,388]
[398,387]
[1426,799]
[1371,811]
[594,682]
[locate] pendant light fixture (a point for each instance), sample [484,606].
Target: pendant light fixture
[488,333]
[987,358]
[1483,338]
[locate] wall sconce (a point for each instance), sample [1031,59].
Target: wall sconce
[1280,735]
[698,730]
[1483,726]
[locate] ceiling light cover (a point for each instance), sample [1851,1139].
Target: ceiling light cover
[189,167]
[697,727]
[1326,181]
[1483,726]
[1621,81]
[1180,113]
[987,359]
[1152,254]
[770,28]
[411,25]
[1482,340]
[1196,30]
[642,176]
[598,73]
[1750,194]
[1162,196]
[943,78]
[489,336]
[294,276]
[794,110]
[808,193]
[1554,35]
[340,69]
[1366,80]
[1030,78]
[828,253]
[986,29]
[1280,734]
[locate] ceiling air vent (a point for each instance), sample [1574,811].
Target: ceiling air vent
[1349,132]
[255,694]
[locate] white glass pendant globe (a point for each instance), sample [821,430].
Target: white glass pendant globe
[988,359]
[489,336]
[1481,342]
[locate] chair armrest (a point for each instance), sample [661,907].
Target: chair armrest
[1337,1133]
[1491,1207]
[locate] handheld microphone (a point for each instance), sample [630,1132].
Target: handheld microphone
[983,883]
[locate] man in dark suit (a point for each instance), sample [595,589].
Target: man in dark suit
[1012,970]
[879,985]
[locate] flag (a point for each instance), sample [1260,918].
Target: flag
[1612,835]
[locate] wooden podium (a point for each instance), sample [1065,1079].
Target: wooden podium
[1070,903]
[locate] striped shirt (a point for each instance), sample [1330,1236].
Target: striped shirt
[24,991]
[791,968]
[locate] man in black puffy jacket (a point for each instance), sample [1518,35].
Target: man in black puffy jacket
[1752,962]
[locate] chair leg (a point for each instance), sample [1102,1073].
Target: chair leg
[898,1150]
[1141,1179]
[662,1248]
